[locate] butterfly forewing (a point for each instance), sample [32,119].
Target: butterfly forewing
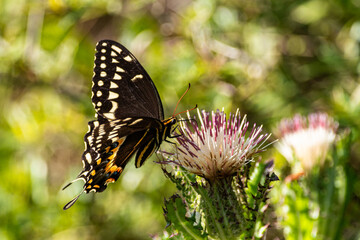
[121,86]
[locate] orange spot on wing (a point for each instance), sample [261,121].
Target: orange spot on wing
[93,172]
[98,161]
[121,140]
[110,180]
[90,181]
[96,186]
[114,168]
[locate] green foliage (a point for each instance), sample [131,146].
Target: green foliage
[175,213]
[227,208]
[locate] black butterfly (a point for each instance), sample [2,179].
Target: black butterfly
[130,118]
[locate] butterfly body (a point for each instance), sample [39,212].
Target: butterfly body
[130,119]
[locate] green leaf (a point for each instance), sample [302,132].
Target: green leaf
[175,213]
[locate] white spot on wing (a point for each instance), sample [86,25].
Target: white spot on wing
[117,77]
[113,54]
[113,85]
[139,76]
[114,60]
[113,95]
[99,104]
[136,121]
[100,83]
[116,48]
[119,69]
[119,126]
[114,106]
[109,115]
[112,124]
[88,157]
[90,139]
[103,50]
[98,93]
[128,58]
[104,44]
[103,58]
[101,129]
[96,124]
[103,74]
[103,65]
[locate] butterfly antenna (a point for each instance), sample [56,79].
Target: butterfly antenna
[180,100]
[186,110]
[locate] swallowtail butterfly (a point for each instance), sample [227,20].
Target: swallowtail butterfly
[130,118]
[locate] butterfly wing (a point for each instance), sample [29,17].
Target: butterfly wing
[108,148]
[129,114]
[121,86]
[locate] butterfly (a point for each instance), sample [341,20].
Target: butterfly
[130,118]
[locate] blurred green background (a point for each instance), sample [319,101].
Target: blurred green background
[270,58]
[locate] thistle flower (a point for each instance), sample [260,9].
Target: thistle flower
[218,147]
[307,139]
[221,150]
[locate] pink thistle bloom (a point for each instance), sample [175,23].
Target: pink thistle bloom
[307,139]
[214,146]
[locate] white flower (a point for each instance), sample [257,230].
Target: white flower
[307,139]
[215,147]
